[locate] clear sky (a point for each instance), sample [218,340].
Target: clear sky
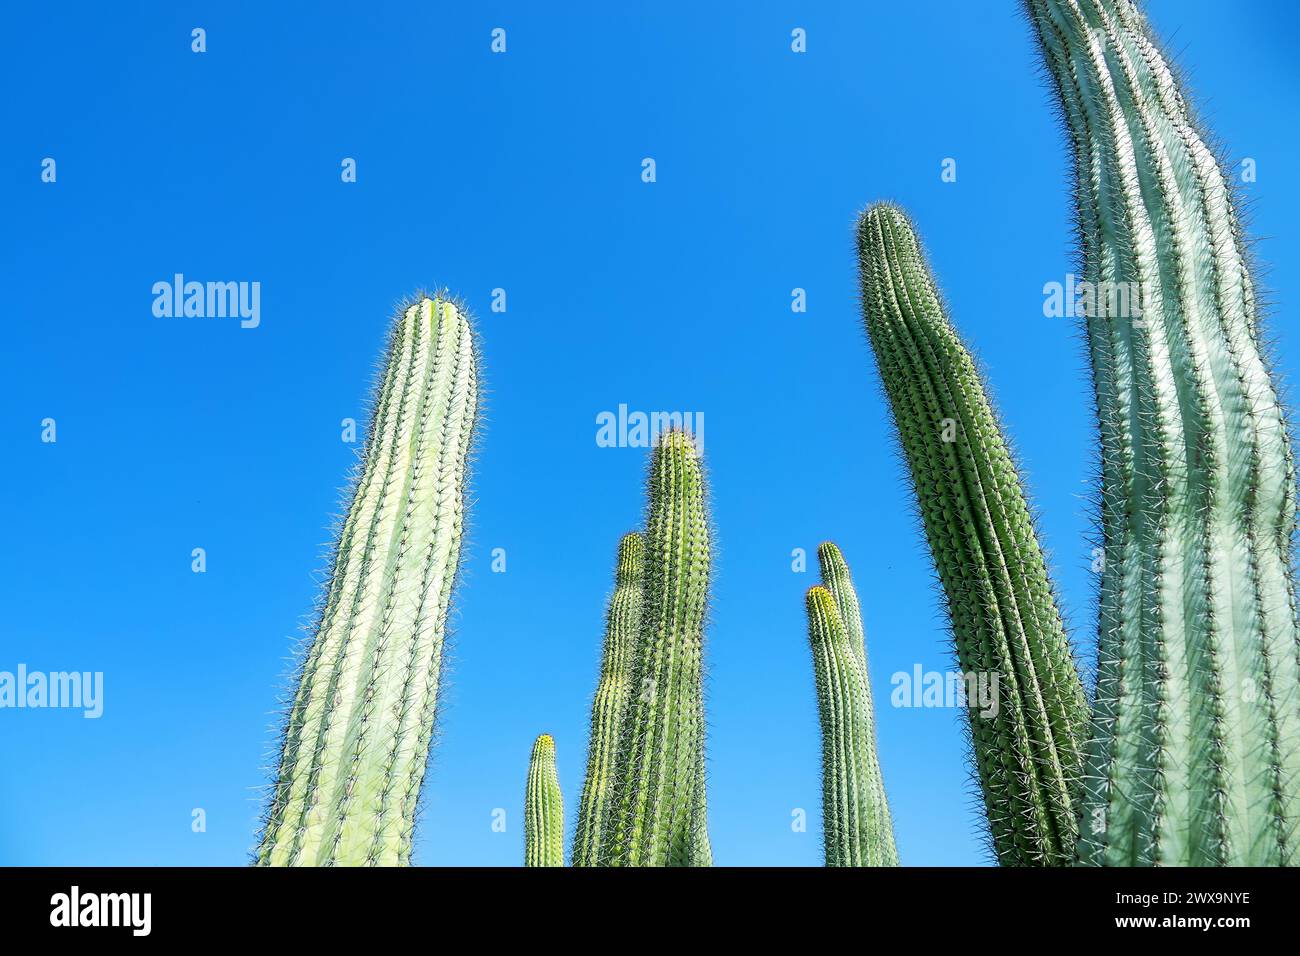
[522,171]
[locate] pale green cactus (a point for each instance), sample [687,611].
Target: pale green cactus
[657,814]
[543,808]
[1194,758]
[357,738]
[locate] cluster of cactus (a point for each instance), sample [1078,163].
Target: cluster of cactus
[643,800]
[1189,753]
[1192,752]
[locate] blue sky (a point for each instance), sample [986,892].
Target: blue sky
[522,171]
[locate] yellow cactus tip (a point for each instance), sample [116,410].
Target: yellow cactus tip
[677,439]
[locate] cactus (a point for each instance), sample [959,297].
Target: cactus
[657,813]
[622,622]
[543,808]
[357,737]
[856,824]
[1194,757]
[837,579]
[1005,623]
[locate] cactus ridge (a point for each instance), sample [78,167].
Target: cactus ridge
[658,808]
[543,807]
[622,622]
[857,828]
[1005,623]
[356,740]
[1194,757]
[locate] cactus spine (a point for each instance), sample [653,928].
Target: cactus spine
[1194,757]
[1005,623]
[657,812]
[855,811]
[622,622]
[357,737]
[543,808]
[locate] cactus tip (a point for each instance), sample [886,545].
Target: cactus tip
[817,594]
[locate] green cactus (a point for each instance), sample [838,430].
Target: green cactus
[856,824]
[622,622]
[657,814]
[1005,623]
[1194,757]
[837,579]
[543,808]
[357,737]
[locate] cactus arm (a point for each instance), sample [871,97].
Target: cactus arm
[856,825]
[543,807]
[358,732]
[658,812]
[622,622]
[836,579]
[1004,618]
[833,667]
[1194,757]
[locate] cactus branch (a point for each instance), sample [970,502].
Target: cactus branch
[622,622]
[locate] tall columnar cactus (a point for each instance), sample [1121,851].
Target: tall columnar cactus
[622,622]
[657,813]
[357,738]
[1195,753]
[543,808]
[856,824]
[1005,622]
